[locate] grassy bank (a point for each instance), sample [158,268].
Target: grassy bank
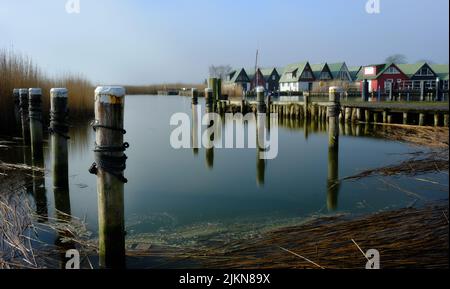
[19,71]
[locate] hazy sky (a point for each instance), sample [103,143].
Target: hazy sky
[144,42]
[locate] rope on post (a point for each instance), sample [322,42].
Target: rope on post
[59,124]
[114,165]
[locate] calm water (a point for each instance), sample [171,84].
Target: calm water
[231,191]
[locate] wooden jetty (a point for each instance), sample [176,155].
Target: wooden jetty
[414,113]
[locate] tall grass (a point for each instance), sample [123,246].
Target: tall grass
[19,71]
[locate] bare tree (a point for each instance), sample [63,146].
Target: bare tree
[220,71]
[397,59]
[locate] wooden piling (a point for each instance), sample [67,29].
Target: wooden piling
[354,114]
[36,130]
[261,104]
[306,100]
[194,94]
[385,116]
[333,148]
[209,99]
[109,167]
[421,119]
[367,116]
[422,91]
[358,114]
[348,114]
[16,100]
[436,119]
[376,117]
[24,116]
[58,130]
[405,118]
[389,118]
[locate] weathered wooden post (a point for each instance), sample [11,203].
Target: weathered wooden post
[212,83]
[16,99]
[306,104]
[348,114]
[261,106]
[58,131]
[36,131]
[422,91]
[421,119]
[389,118]
[333,148]
[365,90]
[436,119]
[219,89]
[438,92]
[109,166]
[209,99]
[24,116]
[376,117]
[358,114]
[405,118]
[194,94]
[446,120]
[367,115]
[385,116]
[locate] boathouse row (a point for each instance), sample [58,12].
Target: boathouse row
[303,76]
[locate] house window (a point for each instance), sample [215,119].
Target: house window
[391,70]
[324,76]
[307,74]
[274,77]
[425,71]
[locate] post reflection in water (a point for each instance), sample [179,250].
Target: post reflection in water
[39,191]
[211,136]
[260,148]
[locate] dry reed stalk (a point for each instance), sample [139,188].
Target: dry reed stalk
[406,238]
[19,71]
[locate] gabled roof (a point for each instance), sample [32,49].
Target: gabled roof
[335,68]
[354,70]
[266,72]
[381,68]
[235,74]
[317,69]
[295,67]
[441,70]
[411,69]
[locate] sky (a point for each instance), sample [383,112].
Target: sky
[139,42]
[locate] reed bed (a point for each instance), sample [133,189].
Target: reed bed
[406,238]
[21,227]
[19,71]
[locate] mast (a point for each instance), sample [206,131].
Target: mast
[256,69]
